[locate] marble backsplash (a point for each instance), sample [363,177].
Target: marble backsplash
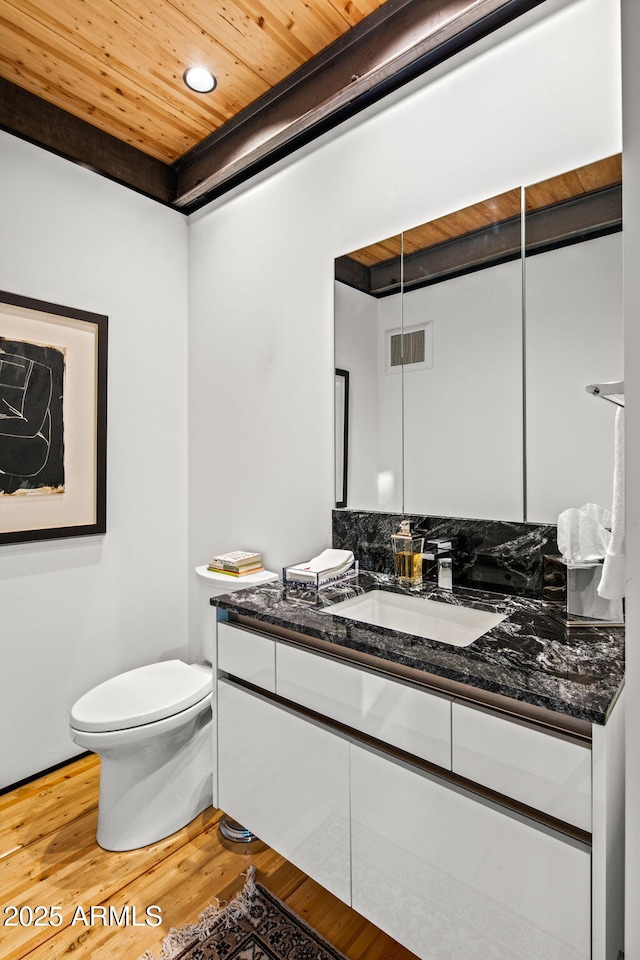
[513,558]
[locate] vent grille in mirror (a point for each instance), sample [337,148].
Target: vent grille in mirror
[407,348]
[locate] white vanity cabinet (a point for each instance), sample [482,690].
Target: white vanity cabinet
[463,832]
[453,876]
[287,779]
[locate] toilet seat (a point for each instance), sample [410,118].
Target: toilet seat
[141,696]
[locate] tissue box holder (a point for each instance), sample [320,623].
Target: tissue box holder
[316,582]
[584,606]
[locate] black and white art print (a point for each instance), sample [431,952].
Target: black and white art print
[31,418]
[53,411]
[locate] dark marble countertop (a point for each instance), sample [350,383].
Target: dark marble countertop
[531,657]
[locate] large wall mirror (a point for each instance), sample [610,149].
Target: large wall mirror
[469,343]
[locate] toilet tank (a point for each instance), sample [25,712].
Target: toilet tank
[212,584]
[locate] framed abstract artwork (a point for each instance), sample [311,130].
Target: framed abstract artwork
[53,420]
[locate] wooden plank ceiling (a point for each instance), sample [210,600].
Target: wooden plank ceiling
[119,63]
[100,81]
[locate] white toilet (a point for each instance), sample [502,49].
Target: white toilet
[152,728]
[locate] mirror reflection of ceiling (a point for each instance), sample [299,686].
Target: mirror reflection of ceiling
[568,208]
[473,430]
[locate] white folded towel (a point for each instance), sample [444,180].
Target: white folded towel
[614,576]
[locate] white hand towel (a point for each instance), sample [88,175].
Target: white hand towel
[614,576]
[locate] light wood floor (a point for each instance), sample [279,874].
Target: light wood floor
[49,857]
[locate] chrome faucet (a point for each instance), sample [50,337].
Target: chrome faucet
[442,550]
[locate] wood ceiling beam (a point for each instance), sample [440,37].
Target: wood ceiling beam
[31,118]
[393,45]
[589,215]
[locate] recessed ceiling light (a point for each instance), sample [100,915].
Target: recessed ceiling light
[199,79]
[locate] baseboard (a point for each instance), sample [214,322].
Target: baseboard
[43,773]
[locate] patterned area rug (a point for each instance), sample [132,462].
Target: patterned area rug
[255,925]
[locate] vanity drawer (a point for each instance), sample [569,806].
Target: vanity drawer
[396,713]
[247,655]
[541,769]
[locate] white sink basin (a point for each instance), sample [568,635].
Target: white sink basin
[419,616]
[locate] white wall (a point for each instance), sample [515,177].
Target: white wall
[77,611]
[262,259]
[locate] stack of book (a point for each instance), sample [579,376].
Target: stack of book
[238,563]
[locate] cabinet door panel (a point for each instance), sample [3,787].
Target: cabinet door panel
[287,780]
[544,771]
[455,878]
[413,720]
[247,655]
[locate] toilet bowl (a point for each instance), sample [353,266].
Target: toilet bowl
[153,730]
